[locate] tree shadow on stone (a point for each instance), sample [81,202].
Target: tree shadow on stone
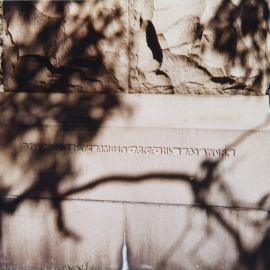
[241,32]
[42,57]
[53,126]
[202,184]
[202,188]
[64,49]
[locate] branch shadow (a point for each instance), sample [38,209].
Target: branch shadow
[241,32]
[78,119]
[64,50]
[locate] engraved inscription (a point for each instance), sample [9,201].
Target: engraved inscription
[134,149]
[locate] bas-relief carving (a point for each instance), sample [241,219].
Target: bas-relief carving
[173,51]
[76,45]
[165,47]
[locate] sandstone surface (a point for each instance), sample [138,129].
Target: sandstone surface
[173,51]
[65,46]
[135,46]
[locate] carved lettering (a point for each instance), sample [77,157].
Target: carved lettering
[134,149]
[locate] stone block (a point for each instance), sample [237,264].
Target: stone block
[150,164]
[30,238]
[184,237]
[174,50]
[65,47]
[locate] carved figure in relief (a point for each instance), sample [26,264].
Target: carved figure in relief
[173,51]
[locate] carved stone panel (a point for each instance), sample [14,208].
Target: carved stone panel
[63,46]
[173,51]
[135,46]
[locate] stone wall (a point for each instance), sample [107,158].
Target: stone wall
[135,46]
[181,183]
[174,50]
[65,46]
[129,181]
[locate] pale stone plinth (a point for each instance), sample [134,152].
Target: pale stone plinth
[150,160]
[30,237]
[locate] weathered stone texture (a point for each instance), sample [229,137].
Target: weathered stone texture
[136,46]
[65,46]
[173,50]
